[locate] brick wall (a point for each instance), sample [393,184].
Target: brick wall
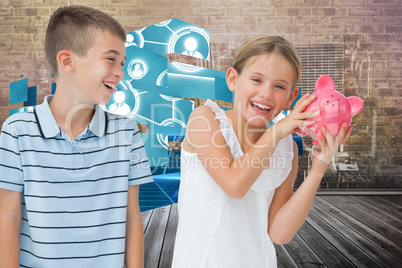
[369,30]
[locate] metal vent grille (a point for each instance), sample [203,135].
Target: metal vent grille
[318,60]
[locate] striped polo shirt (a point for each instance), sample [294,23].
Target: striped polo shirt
[74,191]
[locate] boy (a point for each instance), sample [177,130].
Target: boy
[74,168]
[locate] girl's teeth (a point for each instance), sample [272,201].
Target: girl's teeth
[262,106]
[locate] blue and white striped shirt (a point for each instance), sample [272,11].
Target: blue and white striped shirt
[74,191]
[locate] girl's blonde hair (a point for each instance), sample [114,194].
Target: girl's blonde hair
[265,45]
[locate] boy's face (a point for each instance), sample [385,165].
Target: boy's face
[263,89]
[97,74]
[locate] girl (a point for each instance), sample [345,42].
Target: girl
[236,191]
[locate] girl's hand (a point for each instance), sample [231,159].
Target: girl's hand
[321,158]
[297,118]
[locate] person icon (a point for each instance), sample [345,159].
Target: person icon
[191,45]
[130,40]
[119,106]
[136,69]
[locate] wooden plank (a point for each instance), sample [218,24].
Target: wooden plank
[153,237]
[394,201]
[381,204]
[359,204]
[170,237]
[302,253]
[146,216]
[283,257]
[380,227]
[334,232]
[356,192]
[336,237]
[380,241]
[328,254]
[360,242]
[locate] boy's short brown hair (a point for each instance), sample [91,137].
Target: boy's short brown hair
[74,28]
[266,45]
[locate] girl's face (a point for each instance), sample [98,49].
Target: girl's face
[263,89]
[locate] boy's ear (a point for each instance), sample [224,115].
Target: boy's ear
[231,76]
[65,60]
[292,97]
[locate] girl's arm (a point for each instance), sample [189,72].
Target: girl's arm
[236,177]
[134,256]
[288,211]
[10,228]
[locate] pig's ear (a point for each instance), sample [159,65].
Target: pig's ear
[324,83]
[356,105]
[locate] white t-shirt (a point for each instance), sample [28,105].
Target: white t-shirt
[215,230]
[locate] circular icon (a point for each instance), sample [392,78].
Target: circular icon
[136,69]
[135,38]
[125,101]
[162,79]
[169,98]
[190,41]
[163,24]
[171,122]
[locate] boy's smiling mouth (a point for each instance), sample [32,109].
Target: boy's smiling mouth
[260,107]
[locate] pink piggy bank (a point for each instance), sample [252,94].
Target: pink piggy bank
[335,109]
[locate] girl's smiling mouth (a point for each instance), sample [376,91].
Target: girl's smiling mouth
[259,107]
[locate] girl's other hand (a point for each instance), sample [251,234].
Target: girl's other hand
[297,118]
[322,157]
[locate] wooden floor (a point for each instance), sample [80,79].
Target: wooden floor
[340,231]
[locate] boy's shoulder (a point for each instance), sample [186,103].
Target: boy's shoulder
[118,122]
[112,117]
[19,123]
[20,117]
